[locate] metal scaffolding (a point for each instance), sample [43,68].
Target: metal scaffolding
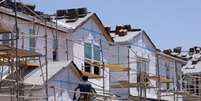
[16,62]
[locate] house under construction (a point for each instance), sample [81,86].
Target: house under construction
[44,57]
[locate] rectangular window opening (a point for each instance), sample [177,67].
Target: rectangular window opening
[87,51]
[97,52]
[142,69]
[87,67]
[5,36]
[32,40]
[54,55]
[96,70]
[55,43]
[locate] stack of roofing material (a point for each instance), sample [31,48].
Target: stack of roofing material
[71,15]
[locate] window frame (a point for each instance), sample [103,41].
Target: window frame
[32,40]
[96,69]
[96,52]
[87,67]
[92,58]
[55,55]
[142,62]
[89,55]
[5,36]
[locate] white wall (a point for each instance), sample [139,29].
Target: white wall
[119,56]
[141,47]
[25,26]
[73,49]
[64,82]
[170,64]
[76,50]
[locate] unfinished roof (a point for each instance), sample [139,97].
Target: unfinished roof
[35,77]
[129,36]
[193,65]
[125,38]
[172,57]
[74,24]
[28,18]
[80,21]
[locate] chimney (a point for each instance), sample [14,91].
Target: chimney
[191,51]
[177,50]
[197,49]
[167,51]
[121,30]
[128,27]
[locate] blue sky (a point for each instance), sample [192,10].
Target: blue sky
[169,23]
